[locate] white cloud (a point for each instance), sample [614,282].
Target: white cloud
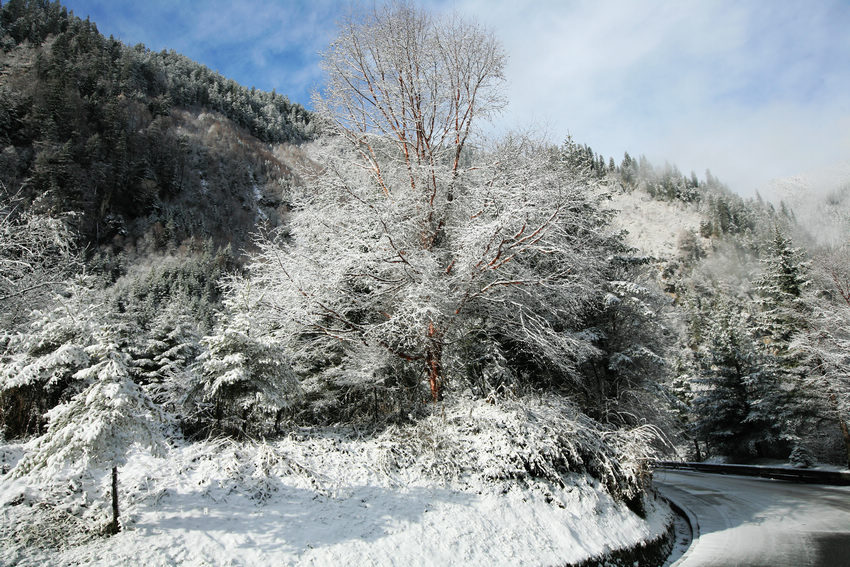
[750,90]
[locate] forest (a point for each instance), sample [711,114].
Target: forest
[185,259]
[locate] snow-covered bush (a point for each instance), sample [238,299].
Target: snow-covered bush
[520,440]
[31,522]
[240,381]
[224,466]
[801,457]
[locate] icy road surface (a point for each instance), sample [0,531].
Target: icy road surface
[754,522]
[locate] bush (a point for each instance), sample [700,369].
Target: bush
[522,440]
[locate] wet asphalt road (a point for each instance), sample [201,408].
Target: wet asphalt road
[755,522]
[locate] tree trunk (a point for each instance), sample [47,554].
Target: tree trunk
[434,362]
[278,416]
[846,434]
[696,446]
[114,527]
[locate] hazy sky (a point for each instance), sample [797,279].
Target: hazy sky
[753,90]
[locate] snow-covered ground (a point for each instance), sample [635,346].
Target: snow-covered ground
[323,498]
[654,227]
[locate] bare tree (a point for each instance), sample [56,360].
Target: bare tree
[412,245]
[406,87]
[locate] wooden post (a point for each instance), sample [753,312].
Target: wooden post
[114,527]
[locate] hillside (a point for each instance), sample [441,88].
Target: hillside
[155,217]
[142,146]
[750,282]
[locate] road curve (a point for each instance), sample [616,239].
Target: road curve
[754,522]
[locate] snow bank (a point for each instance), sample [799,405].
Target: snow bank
[454,488]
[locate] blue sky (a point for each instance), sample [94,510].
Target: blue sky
[753,90]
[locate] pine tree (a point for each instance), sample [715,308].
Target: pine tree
[721,402]
[39,370]
[173,346]
[782,315]
[682,397]
[779,293]
[97,427]
[239,379]
[631,344]
[732,415]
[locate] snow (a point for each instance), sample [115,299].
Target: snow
[258,196]
[321,497]
[653,226]
[748,521]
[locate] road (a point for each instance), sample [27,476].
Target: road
[753,522]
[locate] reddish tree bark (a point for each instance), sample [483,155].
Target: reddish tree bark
[434,361]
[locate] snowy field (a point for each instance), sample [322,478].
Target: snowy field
[323,498]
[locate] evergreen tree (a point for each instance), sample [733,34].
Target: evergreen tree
[730,417]
[681,401]
[630,364]
[779,293]
[40,365]
[782,315]
[720,404]
[97,427]
[172,346]
[629,170]
[240,379]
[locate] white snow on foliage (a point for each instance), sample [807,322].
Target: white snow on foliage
[453,489]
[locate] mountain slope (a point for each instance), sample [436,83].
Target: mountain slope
[135,142]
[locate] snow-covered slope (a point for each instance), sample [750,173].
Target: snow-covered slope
[321,498]
[653,227]
[820,202]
